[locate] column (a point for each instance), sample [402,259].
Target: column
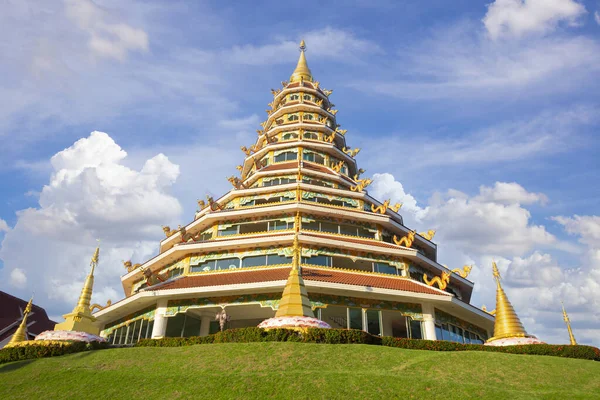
[428,321]
[160,321]
[205,325]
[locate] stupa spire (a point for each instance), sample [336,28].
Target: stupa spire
[568,322]
[302,72]
[294,301]
[20,334]
[507,322]
[81,319]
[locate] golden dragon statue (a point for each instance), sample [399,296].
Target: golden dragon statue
[350,152]
[396,207]
[248,150]
[484,309]
[332,112]
[381,209]
[407,240]
[428,235]
[236,182]
[319,102]
[327,92]
[341,131]
[330,138]
[464,272]
[99,307]
[337,167]
[361,185]
[129,266]
[275,91]
[316,84]
[436,280]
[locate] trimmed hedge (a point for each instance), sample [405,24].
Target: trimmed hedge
[578,351]
[353,336]
[47,350]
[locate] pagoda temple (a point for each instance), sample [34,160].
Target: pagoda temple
[299,237]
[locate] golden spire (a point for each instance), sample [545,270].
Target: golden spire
[568,322]
[81,319]
[20,334]
[294,301]
[302,72]
[507,322]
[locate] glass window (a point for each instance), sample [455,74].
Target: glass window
[329,227]
[310,135]
[348,230]
[294,97]
[415,329]
[384,268]
[362,232]
[149,330]
[287,156]
[292,117]
[228,263]
[231,230]
[324,261]
[373,326]
[289,136]
[213,327]
[175,325]
[255,227]
[277,225]
[438,332]
[191,327]
[203,267]
[355,318]
[273,259]
[311,226]
[254,261]
[308,117]
[307,97]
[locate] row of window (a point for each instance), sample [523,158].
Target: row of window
[236,262]
[342,262]
[294,136]
[253,227]
[305,96]
[454,333]
[132,333]
[343,229]
[305,179]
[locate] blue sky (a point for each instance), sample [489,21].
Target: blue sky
[483,113]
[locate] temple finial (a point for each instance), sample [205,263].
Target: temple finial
[507,322]
[20,334]
[302,72]
[568,322]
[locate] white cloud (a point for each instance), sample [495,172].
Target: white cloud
[107,39]
[587,227]
[510,193]
[492,222]
[18,278]
[90,195]
[597,17]
[520,17]
[494,226]
[4,226]
[385,186]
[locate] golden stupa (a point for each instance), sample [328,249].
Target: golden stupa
[20,334]
[81,319]
[508,329]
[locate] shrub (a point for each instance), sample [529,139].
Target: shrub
[583,352]
[52,349]
[337,336]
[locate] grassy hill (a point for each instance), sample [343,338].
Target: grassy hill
[298,371]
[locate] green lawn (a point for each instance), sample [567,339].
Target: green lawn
[297,371]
